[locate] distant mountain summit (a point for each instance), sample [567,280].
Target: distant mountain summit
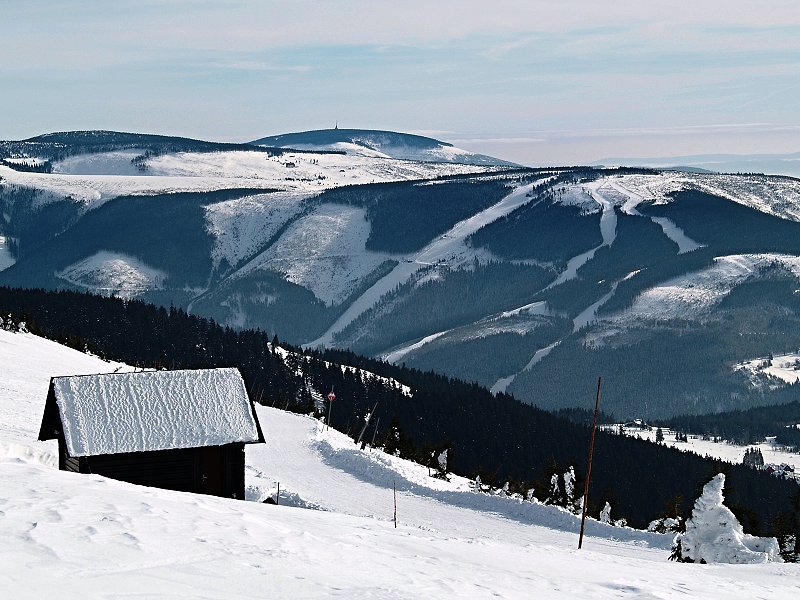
[380,144]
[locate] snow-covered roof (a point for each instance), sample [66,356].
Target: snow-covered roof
[153,410]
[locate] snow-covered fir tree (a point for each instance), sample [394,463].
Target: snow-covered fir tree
[714,535]
[605,514]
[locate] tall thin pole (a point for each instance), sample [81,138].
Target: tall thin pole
[331,398]
[589,466]
[394,491]
[375,433]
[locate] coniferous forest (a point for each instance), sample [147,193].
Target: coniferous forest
[496,437]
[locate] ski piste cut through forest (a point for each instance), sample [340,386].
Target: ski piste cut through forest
[495,437]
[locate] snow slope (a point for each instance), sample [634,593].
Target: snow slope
[243,225]
[114,274]
[324,251]
[84,536]
[102,163]
[694,294]
[371,142]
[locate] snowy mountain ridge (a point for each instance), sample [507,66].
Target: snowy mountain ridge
[434,264]
[380,144]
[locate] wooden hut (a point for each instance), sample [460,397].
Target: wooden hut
[177,430]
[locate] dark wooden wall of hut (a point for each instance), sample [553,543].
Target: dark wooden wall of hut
[212,470]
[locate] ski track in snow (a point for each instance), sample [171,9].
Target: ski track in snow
[82,536]
[448,247]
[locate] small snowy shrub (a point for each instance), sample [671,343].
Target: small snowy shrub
[713,534]
[605,514]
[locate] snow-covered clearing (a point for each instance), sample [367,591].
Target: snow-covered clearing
[84,536]
[324,251]
[94,190]
[371,148]
[242,226]
[113,274]
[785,367]
[450,247]
[94,179]
[6,260]
[400,353]
[693,294]
[733,453]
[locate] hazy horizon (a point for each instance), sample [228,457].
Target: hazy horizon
[531,82]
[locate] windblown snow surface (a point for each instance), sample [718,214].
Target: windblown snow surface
[84,536]
[153,410]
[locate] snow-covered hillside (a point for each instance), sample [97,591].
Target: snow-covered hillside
[323,252]
[84,536]
[692,295]
[113,274]
[779,196]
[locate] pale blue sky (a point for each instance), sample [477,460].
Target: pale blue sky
[536,82]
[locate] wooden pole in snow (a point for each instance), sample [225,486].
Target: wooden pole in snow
[394,491]
[589,466]
[278,495]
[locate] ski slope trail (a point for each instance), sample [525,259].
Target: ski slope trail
[323,468]
[608,231]
[670,229]
[446,247]
[532,308]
